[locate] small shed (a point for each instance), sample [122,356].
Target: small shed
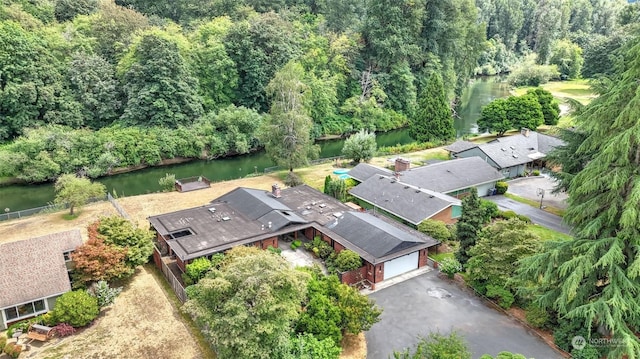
[192,183]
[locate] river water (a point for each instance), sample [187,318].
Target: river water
[16,197]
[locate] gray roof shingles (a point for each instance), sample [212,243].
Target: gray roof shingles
[448,176]
[407,202]
[460,146]
[34,268]
[362,171]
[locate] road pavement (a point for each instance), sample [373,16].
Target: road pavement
[537,215]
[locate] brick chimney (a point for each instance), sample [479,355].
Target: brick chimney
[402,165]
[275,190]
[524,131]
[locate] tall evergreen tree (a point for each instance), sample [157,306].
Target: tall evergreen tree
[433,120]
[469,225]
[596,277]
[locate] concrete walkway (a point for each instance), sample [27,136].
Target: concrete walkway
[397,279]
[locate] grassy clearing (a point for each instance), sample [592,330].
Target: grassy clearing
[532,203]
[439,257]
[578,90]
[547,234]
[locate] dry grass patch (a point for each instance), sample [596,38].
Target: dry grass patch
[43,224]
[354,346]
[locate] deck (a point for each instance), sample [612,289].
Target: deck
[192,184]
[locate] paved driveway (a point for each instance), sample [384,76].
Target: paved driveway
[537,215]
[427,303]
[527,187]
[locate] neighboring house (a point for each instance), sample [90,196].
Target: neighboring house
[363,171]
[459,146]
[454,177]
[514,155]
[34,274]
[408,203]
[261,218]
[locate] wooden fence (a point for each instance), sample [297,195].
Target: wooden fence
[181,293]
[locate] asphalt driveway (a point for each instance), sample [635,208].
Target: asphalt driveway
[537,215]
[427,303]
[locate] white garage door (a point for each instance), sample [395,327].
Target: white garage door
[400,265]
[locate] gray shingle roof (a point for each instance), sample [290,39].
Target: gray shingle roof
[460,146]
[34,268]
[405,201]
[448,176]
[519,149]
[253,203]
[379,237]
[362,171]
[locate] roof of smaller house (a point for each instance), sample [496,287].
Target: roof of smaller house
[452,175]
[408,202]
[460,146]
[378,238]
[519,149]
[363,171]
[34,268]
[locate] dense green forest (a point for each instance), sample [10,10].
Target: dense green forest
[91,85]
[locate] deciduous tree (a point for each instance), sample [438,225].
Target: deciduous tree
[360,146]
[95,261]
[437,346]
[119,232]
[286,134]
[75,191]
[549,105]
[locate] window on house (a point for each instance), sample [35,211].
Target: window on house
[67,256]
[456,211]
[25,310]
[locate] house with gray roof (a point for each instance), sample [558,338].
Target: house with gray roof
[459,146]
[253,217]
[34,274]
[407,203]
[362,171]
[514,155]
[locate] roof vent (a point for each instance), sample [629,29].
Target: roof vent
[393,181]
[417,191]
[503,149]
[514,155]
[322,205]
[225,218]
[212,209]
[381,177]
[406,187]
[337,214]
[430,196]
[511,147]
[269,224]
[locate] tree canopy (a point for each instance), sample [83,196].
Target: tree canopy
[75,192]
[433,121]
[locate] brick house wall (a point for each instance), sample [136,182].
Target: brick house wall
[337,247]
[422,257]
[181,264]
[265,243]
[445,216]
[354,276]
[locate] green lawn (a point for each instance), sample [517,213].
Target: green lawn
[439,257]
[578,90]
[532,203]
[547,234]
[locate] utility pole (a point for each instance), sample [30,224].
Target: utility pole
[540,193]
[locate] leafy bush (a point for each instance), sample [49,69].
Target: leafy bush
[588,352]
[450,266]
[409,147]
[528,73]
[21,326]
[308,346]
[3,342]
[523,218]
[295,244]
[537,316]
[319,247]
[535,173]
[77,308]
[292,180]
[490,209]
[347,260]
[501,187]
[13,350]
[436,229]
[105,294]
[274,250]
[64,330]
[121,233]
[167,183]
[508,214]
[504,296]
[196,270]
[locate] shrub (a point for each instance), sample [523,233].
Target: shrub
[501,187]
[436,229]
[168,182]
[508,214]
[13,350]
[588,352]
[292,180]
[537,316]
[274,250]
[3,342]
[77,308]
[490,209]
[105,294]
[321,248]
[64,330]
[196,270]
[535,173]
[295,244]
[450,266]
[524,218]
[21,326]
[348,260]
[504,296]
